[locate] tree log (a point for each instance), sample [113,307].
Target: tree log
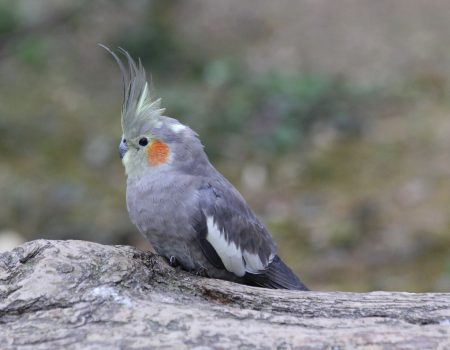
[83,295]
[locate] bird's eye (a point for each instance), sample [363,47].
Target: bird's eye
[143,141]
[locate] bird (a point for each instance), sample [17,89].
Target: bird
[189,212]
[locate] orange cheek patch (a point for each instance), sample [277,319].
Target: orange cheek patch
[157,153]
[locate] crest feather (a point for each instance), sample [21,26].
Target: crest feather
[138,108]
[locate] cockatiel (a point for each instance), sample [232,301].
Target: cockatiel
[187,210]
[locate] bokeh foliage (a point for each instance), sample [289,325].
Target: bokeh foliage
[344,156]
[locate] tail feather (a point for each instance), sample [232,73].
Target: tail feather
[277,276]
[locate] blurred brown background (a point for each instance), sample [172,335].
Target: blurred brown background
[331,117]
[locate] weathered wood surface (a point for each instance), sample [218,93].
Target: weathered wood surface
[82,295]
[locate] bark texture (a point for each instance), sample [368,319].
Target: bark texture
[83,295]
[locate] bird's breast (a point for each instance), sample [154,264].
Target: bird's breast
[162,211]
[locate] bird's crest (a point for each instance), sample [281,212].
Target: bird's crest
[138,108]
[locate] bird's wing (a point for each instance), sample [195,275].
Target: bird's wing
[229,234]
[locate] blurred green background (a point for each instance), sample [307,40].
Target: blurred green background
[331,117]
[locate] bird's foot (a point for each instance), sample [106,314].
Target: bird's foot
[173,261]
[201,271]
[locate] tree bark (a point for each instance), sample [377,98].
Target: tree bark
[83,295]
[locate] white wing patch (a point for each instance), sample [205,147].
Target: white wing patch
[233,258]
[253,262]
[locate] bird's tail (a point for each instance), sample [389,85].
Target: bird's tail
[277,276]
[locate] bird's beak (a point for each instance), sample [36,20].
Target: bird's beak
[123,148]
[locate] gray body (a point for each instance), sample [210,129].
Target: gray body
[168,202]
[165,212]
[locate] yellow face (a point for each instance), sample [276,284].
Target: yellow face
[143,152]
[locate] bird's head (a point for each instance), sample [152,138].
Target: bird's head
[151,140]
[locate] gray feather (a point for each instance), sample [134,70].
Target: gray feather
[138,108]
[239,226]
[276,276]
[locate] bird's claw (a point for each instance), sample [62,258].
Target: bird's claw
[173,261]
[201,271]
